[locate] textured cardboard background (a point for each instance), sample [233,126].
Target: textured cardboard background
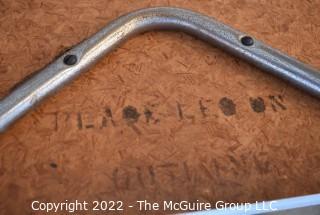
[163,117]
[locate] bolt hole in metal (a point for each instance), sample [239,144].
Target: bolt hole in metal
[247,40]
[53,77]
[70,60]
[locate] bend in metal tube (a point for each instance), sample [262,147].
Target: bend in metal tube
[88,52]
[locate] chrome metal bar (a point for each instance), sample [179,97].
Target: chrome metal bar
[306,205]
[85,54]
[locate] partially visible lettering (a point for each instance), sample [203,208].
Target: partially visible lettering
[104,119]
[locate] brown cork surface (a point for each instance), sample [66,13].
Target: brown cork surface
[163,117]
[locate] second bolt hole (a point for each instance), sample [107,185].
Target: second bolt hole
[247,40]
[70,60]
